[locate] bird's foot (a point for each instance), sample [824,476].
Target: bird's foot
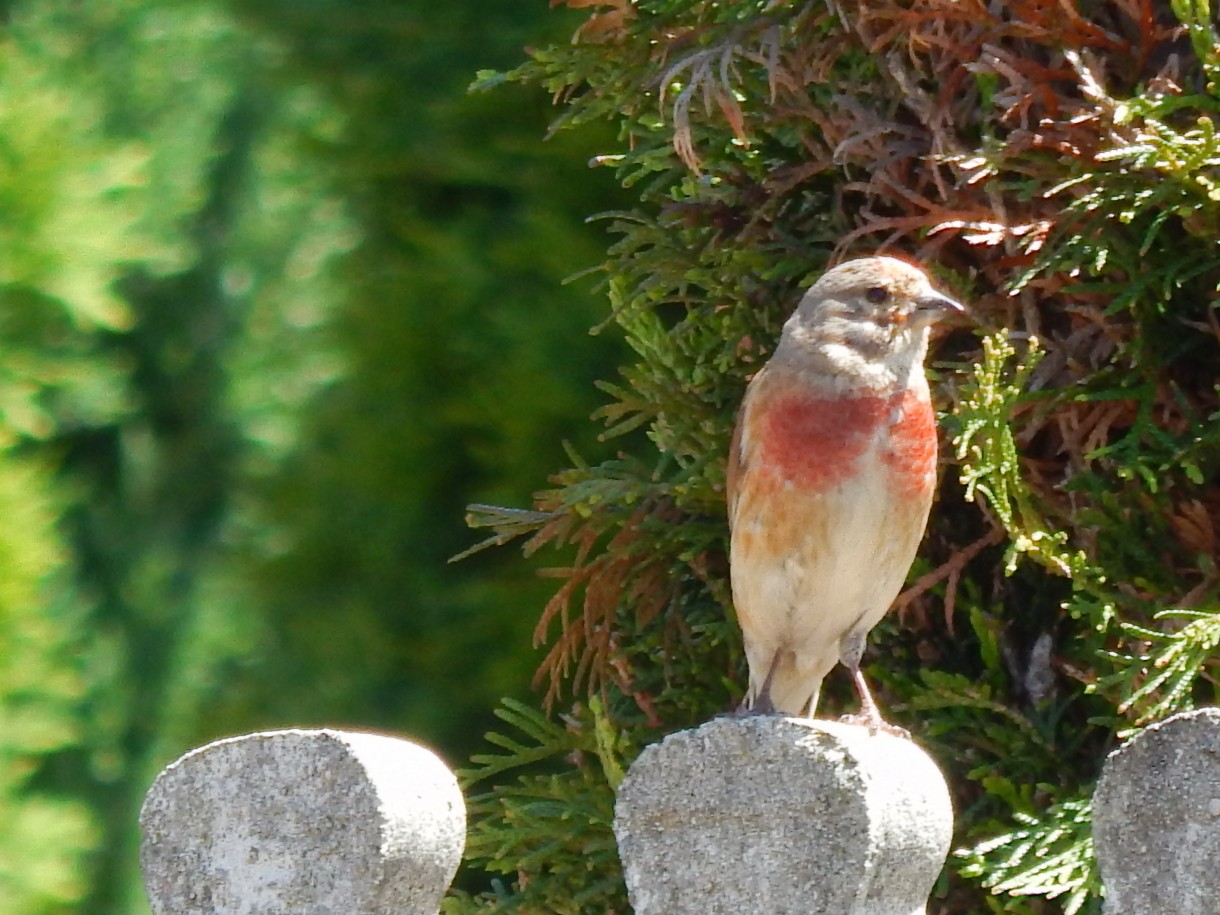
[761,706]
[870,715]
[876,724]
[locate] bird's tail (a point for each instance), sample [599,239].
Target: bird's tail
[783,688]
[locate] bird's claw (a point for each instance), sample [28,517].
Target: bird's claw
[876,725]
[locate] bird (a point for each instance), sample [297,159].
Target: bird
[830,477]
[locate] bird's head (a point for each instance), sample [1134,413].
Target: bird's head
[875,309]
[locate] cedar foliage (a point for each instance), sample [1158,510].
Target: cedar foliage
[1057,165]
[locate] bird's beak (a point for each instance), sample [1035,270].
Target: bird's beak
[936,306]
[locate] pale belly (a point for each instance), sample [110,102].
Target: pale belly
[811,567]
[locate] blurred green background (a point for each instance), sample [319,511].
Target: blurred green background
[277,299]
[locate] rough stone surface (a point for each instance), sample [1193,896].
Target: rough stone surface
[1156,819]
[769,815]
[302,823]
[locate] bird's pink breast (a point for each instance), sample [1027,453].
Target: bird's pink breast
[817,442]
[911,451]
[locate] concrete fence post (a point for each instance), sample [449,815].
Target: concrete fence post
[770,815]
[302,823]
[1156,819]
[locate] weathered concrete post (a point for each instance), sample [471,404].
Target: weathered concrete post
[302,823]
[770,815]
[1156,819]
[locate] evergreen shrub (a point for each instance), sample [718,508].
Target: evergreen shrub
[1057,165]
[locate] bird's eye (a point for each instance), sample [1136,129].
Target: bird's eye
[877,294]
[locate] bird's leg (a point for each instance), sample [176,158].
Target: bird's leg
[869,713]
[812,705]
[850,651]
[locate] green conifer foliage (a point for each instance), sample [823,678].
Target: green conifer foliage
[1056,165]
[277,298]
[71,201]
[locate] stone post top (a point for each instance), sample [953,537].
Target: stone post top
[782,815]
[1156,819]
[302,822]
[764,727]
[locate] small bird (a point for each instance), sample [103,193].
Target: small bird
[830,479]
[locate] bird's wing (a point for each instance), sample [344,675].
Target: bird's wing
[738,448]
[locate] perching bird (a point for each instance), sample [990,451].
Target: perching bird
[830,479]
